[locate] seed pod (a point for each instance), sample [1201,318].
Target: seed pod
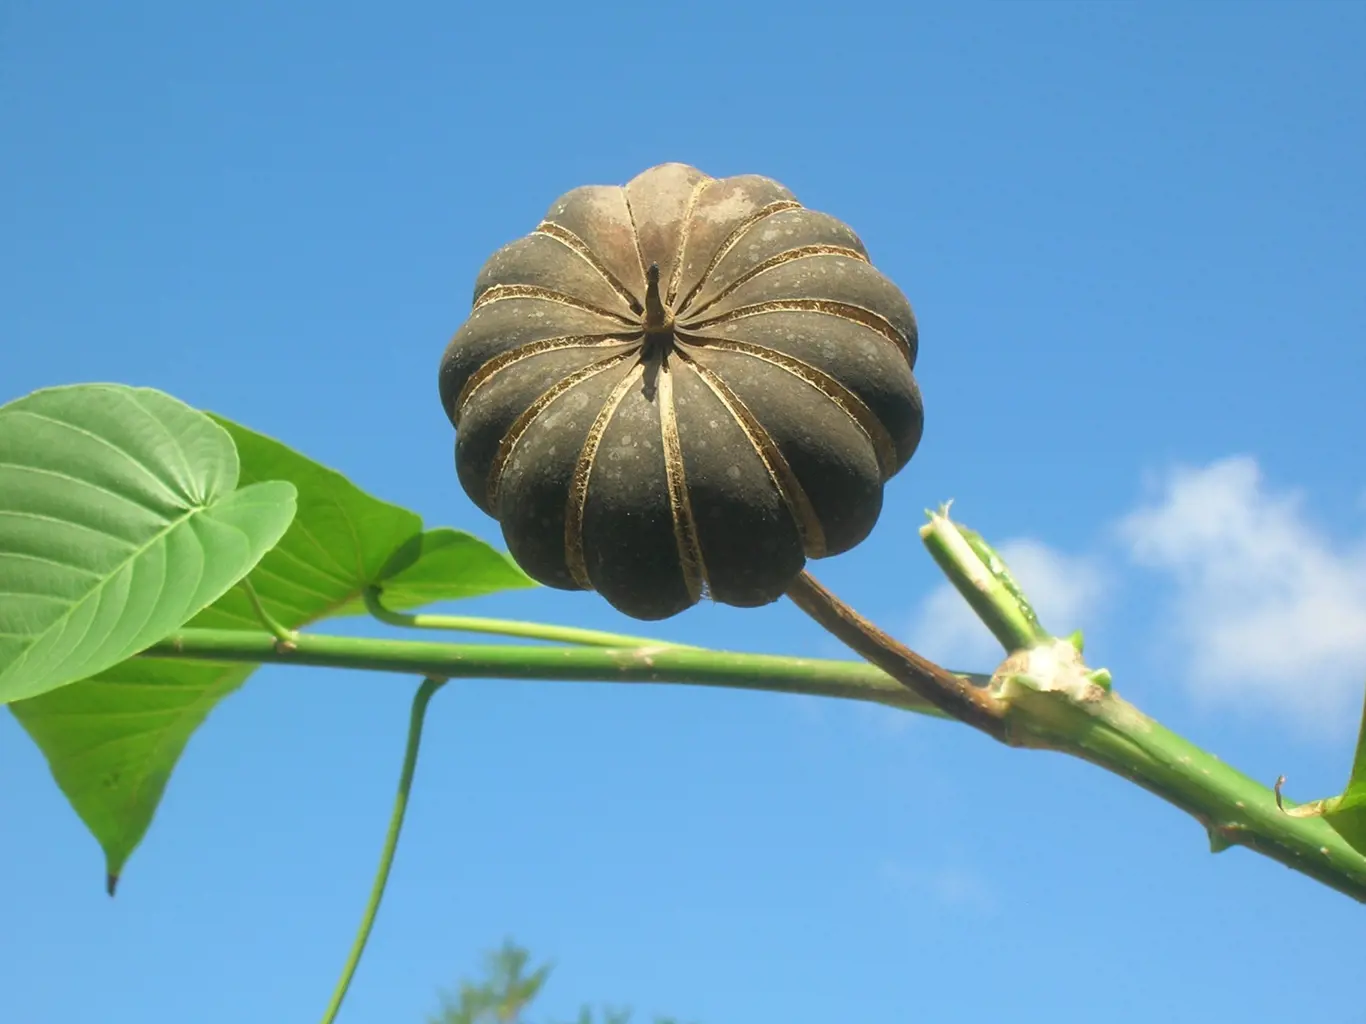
[680,387]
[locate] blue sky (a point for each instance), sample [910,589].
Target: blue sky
[1135,238]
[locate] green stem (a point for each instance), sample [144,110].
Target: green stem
[853,680]
[504,627]
[386,858]
[1234,808]
[984,582]
[1055,702]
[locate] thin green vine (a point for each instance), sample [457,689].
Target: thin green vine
[386,858]
[504,627]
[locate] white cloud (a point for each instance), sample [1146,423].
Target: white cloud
[1266,605]
[1064,590]
[951,885]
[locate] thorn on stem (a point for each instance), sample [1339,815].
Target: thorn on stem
[1219,839]
[1280,781]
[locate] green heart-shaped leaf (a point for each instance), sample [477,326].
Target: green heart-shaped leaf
[113,741]
[119,521]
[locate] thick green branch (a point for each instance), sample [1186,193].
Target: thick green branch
[665,663]
[1234,809]
[1088,722]
[1054,701]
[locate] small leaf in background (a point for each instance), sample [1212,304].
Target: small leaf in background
[507,989]
[113,740]
[120,518]
[346,540]
[501,997]
[341,540]
[1348,815]
[444,564]
[1346,812]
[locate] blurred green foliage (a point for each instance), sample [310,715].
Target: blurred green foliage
[508,987]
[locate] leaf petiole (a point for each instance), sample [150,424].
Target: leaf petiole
[507,627]
[272,624]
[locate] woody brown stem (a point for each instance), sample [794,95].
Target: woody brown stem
[951,694]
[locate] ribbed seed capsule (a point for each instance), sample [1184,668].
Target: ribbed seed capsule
[681,387]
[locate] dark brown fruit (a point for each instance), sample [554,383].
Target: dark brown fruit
[684,386]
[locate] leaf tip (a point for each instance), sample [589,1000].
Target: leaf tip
[111,883]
